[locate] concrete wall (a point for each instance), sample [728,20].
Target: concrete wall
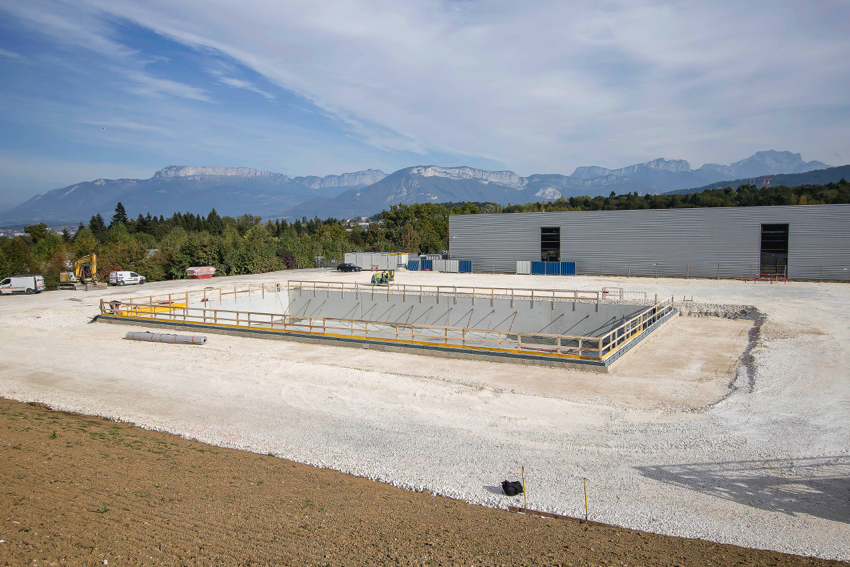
[580,319]
[706,242]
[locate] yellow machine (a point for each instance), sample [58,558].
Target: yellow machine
[85,272]
[383,278]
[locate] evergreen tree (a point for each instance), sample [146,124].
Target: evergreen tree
[214,223]
[97,225]
[120,215]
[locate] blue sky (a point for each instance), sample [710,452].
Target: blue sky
[110,88]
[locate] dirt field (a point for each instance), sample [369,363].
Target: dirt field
[79,490]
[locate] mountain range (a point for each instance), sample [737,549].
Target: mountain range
[439,184]
[234,191]
[231,190]
[816,177]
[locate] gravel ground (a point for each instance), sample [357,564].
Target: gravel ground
[765,464]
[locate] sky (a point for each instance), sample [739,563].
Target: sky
[116,89]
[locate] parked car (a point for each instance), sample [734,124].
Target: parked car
[345,267]
[125,278]
[27,284]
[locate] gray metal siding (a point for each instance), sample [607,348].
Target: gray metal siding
[704,242]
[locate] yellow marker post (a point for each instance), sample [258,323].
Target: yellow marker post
[585,500]
[524,495]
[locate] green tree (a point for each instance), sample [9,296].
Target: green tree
[48,246]
[120,216]
[466,208]
[17,258]
[37,231]
[214,223]
[410,240]
[85,243]
[97,226]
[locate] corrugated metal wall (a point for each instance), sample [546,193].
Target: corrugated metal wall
[705,242]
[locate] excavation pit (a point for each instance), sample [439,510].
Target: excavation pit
[557,327]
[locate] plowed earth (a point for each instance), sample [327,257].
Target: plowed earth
[80,490]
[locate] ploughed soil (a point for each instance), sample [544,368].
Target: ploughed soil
[80,490]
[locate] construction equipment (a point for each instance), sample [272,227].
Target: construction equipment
[85,272]
[383,278]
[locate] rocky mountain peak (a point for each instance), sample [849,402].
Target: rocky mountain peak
[173,171]
[356,179]
[505,178]
[772,161]
[660,164]
[590,172]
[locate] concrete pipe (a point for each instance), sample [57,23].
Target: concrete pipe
[163,338]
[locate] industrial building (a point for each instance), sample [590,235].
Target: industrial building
[804,242]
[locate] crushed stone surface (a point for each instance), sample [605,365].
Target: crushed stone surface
[749,447]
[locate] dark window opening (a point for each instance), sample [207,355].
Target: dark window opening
[550,244]
[774,249]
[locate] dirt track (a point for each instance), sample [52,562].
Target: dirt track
[79,490]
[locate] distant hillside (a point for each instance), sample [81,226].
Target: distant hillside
[231,190]
[819,177]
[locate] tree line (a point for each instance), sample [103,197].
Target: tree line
[162,248]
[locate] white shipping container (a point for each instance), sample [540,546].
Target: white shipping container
[379,260]
[397,260]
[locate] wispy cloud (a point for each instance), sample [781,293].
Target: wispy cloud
[127,125]
[76,24]
[147,85]
[224,79]
[514,81]
[9,54]
[239,84]
[537,86]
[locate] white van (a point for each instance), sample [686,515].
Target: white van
[22,284]
[125,278]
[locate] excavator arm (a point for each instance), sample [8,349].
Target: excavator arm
[85,272]
[85,269]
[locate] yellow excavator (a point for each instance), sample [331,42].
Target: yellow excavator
[85,272]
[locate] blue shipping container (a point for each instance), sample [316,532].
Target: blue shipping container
[538,268]
[553,268]
[464,266]
[413,265]
[568,268]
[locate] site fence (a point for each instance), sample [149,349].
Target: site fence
[178,308]
[246,292]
